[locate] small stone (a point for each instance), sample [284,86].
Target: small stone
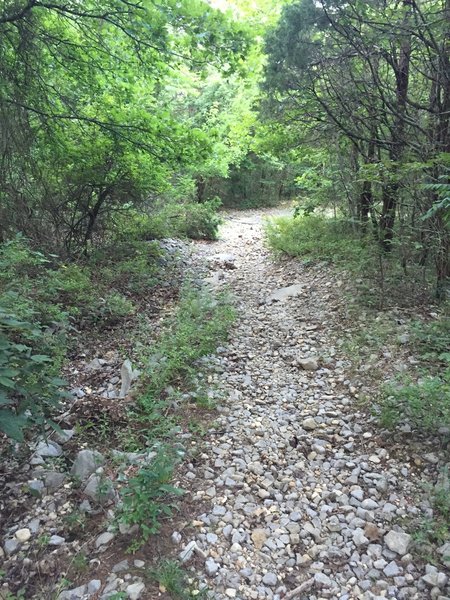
[397,541]
[391,569]
[64,435]
[56,540]
[121,566]
[54,480]
[358,494]
[211,567]
[139,564]
[211,538]
[23,535]
[270,579]
[48,449]
[287,292]
[372,532]
[359,539]
[176,537]
[434,578]
[308,364]
[230,593]
[323,580]
[309,424]
[103,539]
[10,546]
[188,551]
[259,537]
[93,586]
[76,594]
[36,487]
[135,590]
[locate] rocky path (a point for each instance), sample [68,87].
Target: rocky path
[300,495]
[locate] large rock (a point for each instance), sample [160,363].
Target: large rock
[99,488]
[397,541]
[285,293]
[48,449]
[128,375]
[308,364]
[86,463]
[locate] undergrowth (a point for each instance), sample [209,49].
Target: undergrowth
[380,279]
[422,398]
[200,323]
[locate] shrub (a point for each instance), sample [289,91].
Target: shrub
[199,221]
[145,499]
[28,390]
[425,403]
[316,238]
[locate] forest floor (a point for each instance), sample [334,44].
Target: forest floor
[293,490]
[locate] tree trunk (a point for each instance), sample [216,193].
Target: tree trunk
[391,189]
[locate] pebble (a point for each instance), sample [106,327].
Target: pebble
[23,535]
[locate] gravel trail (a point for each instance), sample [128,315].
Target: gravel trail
[300,495]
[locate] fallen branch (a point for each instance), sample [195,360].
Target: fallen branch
[304,587]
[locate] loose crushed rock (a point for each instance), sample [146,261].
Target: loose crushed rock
[305,498]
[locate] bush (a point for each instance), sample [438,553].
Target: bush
[145,498]
[425,403]
[317,238]
[28,388]
[198,221]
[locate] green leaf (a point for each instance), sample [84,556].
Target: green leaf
[40,358]
[6,382]
[12,424]
[7,372]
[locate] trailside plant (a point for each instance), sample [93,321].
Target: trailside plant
[28,391]
[197,328]
[148,495]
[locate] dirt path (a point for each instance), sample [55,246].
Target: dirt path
[304,498]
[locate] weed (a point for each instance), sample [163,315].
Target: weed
[43,540]
[75,521]
[173,580]
[146,498]
[80,563]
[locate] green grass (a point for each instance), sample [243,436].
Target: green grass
[200,324]
[424,400]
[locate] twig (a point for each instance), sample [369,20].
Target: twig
[305,586]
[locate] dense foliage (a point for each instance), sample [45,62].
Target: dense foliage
[362,90]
